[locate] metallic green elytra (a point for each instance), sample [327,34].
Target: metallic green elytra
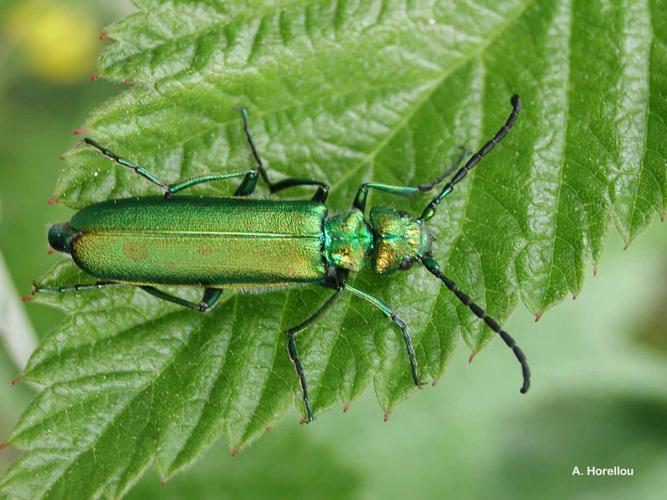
[193,241]
[241,242]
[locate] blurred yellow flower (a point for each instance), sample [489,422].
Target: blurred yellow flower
[57,40]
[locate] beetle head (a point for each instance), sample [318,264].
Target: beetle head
[399,240]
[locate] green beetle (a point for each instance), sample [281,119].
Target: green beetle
[205,242]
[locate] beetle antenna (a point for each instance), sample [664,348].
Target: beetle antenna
[431,208]
[434,269]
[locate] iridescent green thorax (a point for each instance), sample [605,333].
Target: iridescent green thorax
[399,239]
[393,240]
[347,241]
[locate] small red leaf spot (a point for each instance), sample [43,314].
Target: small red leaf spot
[52,201]
[235,451]
[538,316]
[346,407]
[3,445]
[50,251]
[387,414]
[93,78]
[472,356]
[103,36]
[27,298]
[79,131]
[163,480]
[127,81]
[16,380]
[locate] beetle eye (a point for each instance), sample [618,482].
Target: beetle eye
[406,264]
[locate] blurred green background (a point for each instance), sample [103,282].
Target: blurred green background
[599,363]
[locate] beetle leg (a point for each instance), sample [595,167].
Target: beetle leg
[362,192]
[294,355]
[188,183]
[168,189]
[319,196]
[249,183]
[75,288]
[126,163]
[210,298]
[388,311]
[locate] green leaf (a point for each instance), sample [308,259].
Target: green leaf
[342,91]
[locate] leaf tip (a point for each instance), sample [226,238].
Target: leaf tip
[3,445]
[103,36]
[538,316]
[235,451]
[434,382]
[346,407]
[662,216]
[52,201]
[163,480]
[78,131]
[387,414]
[595,270]
[16,380]
[472,355]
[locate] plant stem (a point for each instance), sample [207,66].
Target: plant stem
[15,329]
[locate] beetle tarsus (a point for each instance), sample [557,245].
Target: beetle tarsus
[296,362]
